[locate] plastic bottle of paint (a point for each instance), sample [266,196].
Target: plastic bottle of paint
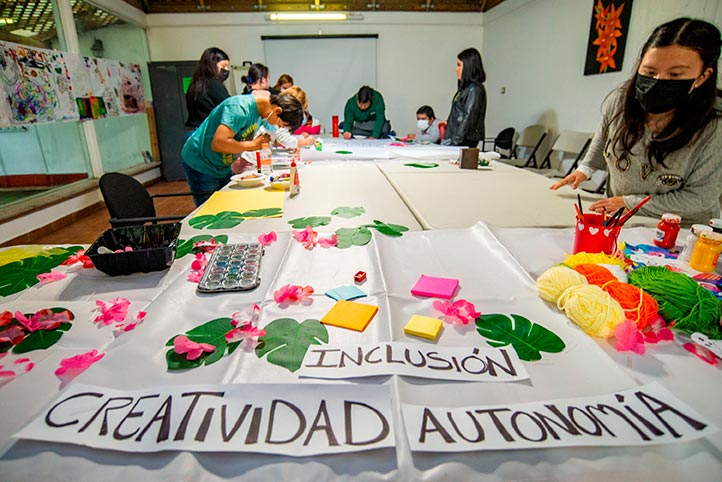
[266,163]
[667,230]
[692,239]
[706,252]
[295,182]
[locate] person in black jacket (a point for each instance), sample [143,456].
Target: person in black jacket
[206,89]
[465,125]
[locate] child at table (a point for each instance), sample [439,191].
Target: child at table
[428,124]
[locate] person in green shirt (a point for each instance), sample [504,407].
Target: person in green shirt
[365,115]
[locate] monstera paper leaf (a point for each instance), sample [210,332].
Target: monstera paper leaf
[313,221]
[41,339]
[185,246]
[263,213]
[222,220]
[422,165]
[348,237]
[394,230]
[212,333]
[18,275]
[348,212]
[528,339]
[286,341]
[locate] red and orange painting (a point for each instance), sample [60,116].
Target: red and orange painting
[607,36]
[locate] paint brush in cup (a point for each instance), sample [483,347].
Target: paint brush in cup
[634,210]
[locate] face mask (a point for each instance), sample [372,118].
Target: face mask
[657,96]
[422,124]
[224,74]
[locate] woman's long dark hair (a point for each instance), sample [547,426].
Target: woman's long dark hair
[207,69]
[255,73]
[690,117]
[473,70]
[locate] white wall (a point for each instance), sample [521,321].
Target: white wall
[416,51]
[536,49]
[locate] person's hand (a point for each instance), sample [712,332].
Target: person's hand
[347,135]
[611,205]
[260,140]
[306,141]
[575,179]
[411,136]
[240,165]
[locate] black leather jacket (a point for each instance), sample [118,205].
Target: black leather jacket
[465,124]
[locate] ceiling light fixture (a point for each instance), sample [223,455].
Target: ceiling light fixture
[6,21]
[21,32]
[312,17]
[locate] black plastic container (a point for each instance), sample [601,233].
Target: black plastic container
[153,248]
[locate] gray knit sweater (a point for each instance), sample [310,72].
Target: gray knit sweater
[690,185]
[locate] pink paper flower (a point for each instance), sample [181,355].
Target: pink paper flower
[656,331]
[78,257]
[114,312]
[267,239]
[75,365]
[126,326]
[328,242]
[13,334]
[244,322]
[5,318]
[460,312]
[629,338]
[307,237]
[702,353]
[183,345]
[9,373]
[293,294]
[46,278]
[198,266]
[45,319]
[206,246]
[250,315]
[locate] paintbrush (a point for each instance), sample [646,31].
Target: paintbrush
[615,217]
[633,211]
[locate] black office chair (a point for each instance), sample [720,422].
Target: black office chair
[129,203]
[504,141]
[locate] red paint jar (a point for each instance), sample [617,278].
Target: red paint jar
[667,230]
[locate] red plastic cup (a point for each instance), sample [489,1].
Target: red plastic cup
[334,125]
[591,236]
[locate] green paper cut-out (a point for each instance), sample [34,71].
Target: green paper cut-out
[393,230]
[40,339]
[22,274]
[185,246]
[348,237]
[212,332]
[222,220]
[422,165]
[348,212]
[263,213]
[313,221]
[286,341]
[528,339]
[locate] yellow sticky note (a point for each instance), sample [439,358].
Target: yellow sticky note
[423,326]
[351,315]
[243,201]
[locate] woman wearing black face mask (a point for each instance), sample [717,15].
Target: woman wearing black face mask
[661,132]
[206,89]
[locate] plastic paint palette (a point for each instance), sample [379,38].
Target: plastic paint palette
[248,179]
[233,267]
[282,182]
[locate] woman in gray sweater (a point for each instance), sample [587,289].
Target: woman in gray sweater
[661,131]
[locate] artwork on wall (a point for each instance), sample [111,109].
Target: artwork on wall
[607,36]
[39,85]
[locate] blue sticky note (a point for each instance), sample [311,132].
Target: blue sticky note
[345,293]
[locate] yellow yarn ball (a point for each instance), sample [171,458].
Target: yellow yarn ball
[554,281]
[590,307]
[594,258]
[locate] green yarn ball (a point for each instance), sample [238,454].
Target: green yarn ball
[681,299]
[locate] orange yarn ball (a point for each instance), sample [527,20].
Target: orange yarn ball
[595,274]
[638,306]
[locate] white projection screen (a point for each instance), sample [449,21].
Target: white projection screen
[329,68]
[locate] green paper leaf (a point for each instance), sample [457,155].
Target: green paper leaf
[393,230]
[263,213]
[41,339]
[286,341]
[22,274]
[213,333]
[313,221]
[185,246]
[422,165]
[348,237]
[225,219]
[348,212]
[528,339]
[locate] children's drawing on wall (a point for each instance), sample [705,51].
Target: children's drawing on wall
[131,89]
[607,36]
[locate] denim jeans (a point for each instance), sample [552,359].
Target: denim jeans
[199,182]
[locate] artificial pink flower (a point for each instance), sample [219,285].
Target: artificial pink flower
[195,276]
[126,249]
[46,278]
[198,266]
[629,338]
[244,322]
[7,374]
[460,312]
[250,315]
[14,335]
[78,257]
[124,327]
[293,294]
[328,242]
[307,237]
[656,331]
[114,312]
[5,318]
[206,246]
[267,239]
[182,344]
[45,319]
[702,353]
[75,365]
